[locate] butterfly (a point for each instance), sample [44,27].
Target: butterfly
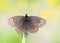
[25,24]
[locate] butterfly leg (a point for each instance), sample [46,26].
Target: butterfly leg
[26,34]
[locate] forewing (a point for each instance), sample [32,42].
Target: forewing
[16,21]
[35,23]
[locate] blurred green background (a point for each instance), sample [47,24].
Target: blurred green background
[48,9]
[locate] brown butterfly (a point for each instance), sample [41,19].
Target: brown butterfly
[25,24]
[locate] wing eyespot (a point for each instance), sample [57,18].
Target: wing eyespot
[20,30]
[33,30]
[12,21]
[41,21]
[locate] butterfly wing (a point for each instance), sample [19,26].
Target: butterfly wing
[17,21]
[35,23]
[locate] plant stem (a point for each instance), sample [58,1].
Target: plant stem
[23,39]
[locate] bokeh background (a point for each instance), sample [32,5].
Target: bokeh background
[48,9]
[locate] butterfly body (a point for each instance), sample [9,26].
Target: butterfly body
[25,24]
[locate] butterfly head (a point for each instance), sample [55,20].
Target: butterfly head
[26,15]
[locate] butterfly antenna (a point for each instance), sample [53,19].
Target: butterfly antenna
[22,11]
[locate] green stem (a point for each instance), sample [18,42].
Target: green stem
[23,39]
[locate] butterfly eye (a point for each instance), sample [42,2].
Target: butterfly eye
[12,21]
